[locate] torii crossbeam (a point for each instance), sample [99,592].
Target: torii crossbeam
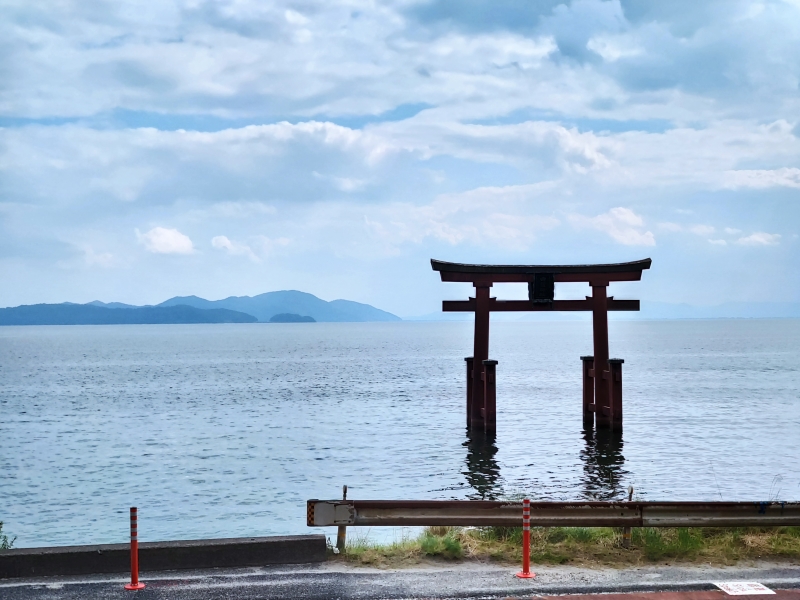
[602,377]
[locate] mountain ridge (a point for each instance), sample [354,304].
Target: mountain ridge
[89,314]
[261,308]
[267,305]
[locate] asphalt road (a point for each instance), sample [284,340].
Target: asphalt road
[336,581]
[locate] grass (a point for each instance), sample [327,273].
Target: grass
[5,543]
[584,546]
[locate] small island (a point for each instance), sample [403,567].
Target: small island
[291,318]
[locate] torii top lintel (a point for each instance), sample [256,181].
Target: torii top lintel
[593,274]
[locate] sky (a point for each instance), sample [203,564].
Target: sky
[218,148]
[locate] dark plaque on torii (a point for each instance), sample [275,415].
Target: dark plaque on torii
[602,377]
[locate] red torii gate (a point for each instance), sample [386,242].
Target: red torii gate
[602,377]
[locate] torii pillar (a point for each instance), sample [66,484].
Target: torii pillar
[477,418]
[600,336]
[602,395]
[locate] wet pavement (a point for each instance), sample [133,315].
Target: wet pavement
[465,580]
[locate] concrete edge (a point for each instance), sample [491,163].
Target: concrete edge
[163,556]
[630,588]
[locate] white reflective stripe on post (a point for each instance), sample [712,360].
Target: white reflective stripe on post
[526,515]
[134,524]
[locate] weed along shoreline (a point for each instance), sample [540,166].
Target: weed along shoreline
[435,547]
[581,546]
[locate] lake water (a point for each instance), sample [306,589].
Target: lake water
[226,430]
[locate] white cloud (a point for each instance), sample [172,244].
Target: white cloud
[532,145]
[344,184]
[702,229]
[122,181]
[703,157]
[255,249]
[348,184]
[732,231]
[100,259]
[267,246]
[614,48]
[239,209]
[763,178]
[235,58]
[295,18]
[483,216]
[243,171]
[221,242]
[161,240]
[760,238]
[622,224]
[718,242]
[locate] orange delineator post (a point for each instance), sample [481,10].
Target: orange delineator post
[134,584]
[526,541]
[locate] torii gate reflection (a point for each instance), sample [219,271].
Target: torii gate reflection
[602,377]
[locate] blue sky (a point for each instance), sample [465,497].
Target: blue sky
[153,149]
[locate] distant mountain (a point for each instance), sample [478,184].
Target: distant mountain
[236,309]
[90,314]
[265,306]
[290,318]
[112,304]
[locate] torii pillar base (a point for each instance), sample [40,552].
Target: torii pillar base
[609,415]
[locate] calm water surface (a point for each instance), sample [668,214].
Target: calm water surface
[226,430]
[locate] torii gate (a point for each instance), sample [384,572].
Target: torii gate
[602,377]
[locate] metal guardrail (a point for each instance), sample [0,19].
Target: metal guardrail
[479,513]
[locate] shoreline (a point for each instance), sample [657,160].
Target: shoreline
[444,547]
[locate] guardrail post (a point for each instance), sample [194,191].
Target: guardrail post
[615,392]
[469,360]
[626,531]
[134,584]
[588,391]
[490,396]
[341,534]
[526,541]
